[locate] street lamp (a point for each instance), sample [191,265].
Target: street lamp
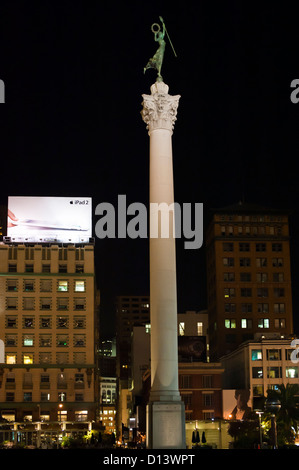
[259,413]
[273,405]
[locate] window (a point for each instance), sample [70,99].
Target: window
[207,381]
[11,358]
[278,277]
[263,308]
[11,303]
[274,372]
[62,322]
[79,286]
[29,268]
[45,285]
[27,358]
[277,262]
[278,292]
[11,285]
[81,415]
[79,322]
[11,340]
[230,323]
[45,303]
[62,304]
[261,262]
[62,396]
[185,381]
[292,372]
[29,286]
[45,322]
[28,303]
[263,323]
[79,304]
[10,396]
[276,246]
[244,247]
[228,247]
[28,322]
[262,292]
[229,277]
[246,308]
[273,354]
[79,268]
[62,268]
[279,323]
[45,357]
[62,415]
[257,372]
[229,308]
[45,341]
[260,247]
[208,415]
[246,292]
[245,277]
[28,340]
[181,328]
[256,355]
[44,396]
[62,286]
[11,322]
[207,399]
[246,323]
[228,261]
[229,292]
[245,262]
[62,340]
[261,277]
[199,328]
[46,268]
[12,267]
[79,341]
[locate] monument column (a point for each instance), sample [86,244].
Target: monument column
[165,411]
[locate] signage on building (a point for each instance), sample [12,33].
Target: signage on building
[33,219]
[236,404]
[192,348]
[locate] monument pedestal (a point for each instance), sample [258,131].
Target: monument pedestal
[165,411]
[165,425]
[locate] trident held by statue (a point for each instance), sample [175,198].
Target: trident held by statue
[156,61]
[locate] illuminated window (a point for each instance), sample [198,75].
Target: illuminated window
[246,323]
[62,286]
[27,358]
[229,292]
[199,328]
[11,358]
[292,372]
[28,340]
[79,286]
[181,329]
[230,323]
[263,323]
[256,355]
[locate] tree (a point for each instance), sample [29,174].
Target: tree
[287,417]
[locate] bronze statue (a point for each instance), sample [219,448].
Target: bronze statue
[156,61]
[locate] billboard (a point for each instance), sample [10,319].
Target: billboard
[236,404]
[33,219]
[191,348]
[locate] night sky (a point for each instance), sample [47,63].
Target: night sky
[71,124]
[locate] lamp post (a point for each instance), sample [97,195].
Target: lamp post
[259,413]
[273,405]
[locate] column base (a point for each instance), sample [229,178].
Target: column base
[165,425]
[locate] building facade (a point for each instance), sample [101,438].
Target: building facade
[48,305]
[248,276]
[260,365]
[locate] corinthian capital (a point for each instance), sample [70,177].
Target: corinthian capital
[159,108]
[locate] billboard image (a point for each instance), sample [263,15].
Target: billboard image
[49,219]
[236,404]
[192,348]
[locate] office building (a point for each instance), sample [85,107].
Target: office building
[248,275]
[48,321]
